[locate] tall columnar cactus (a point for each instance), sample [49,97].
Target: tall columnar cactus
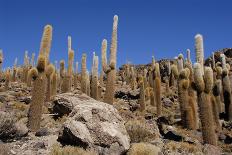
[83,74]
[199,49]
[67,80]
[7,79]
[203,87]
[189,56]
[94,81]
[183,85]
[110,70]
[223,60]
[157,89]
[46,40]
[87,83]
[76,76]
[217,89]
[25,67]
[174,75]
[50,69]
[38,95]
[180,62]
[227,94]
[32,59]
[54,84]
[213,61]
[215,112]
[69,43]
[152,96]
[141,94]
[62,73]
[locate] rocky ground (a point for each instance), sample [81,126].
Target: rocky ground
[74,119]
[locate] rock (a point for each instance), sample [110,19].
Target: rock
[211,150]
[11,129]
[39,145]
[133,105]
[25,99]
[167,102]
[93,124]
[228,140]
[4,149]
[42,132]
[127,93]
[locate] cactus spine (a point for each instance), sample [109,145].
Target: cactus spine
[203,88]
[111,69]
[76,76]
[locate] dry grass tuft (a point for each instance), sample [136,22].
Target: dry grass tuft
[70,150]
[144,149]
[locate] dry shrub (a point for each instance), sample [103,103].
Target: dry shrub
[183,148]
[139,131]
[4,150]
[69,150]
[144,149]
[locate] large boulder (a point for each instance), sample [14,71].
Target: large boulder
[93,125]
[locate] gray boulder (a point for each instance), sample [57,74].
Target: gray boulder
[94,125]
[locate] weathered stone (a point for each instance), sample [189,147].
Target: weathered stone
[93,124]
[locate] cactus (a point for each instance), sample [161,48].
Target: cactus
[69,43]
[87,83]
[32,74]
[76,76]
[142,94]
[174,75]
[32,59]
[227,94]
[213,61]
[38,95]
[157,89]
[45,45]
[183,85]
[67,80]
[54,84]
[199,49]
[50,69]
[180,62]
[203,88]
[62,73]
[189,56]
[223,60]
[83,74]
[110,70]
[7,79]
[94,81]
[152,97]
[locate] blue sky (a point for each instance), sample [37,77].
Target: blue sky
[162,28]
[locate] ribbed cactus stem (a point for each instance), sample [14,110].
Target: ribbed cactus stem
[70,62]
[54,84]
[213,61]
[7,79]
[94,81]
[180,62]
[87,83]
[204,87]
[83,74]
[223,60]
[227,94]
[157,89]
[50,69]
[111,75]
[104,55]
[15,62]
[32,59]
[189,56]
[45,45]
[142,94]
[199,49]
[69,43]
[38,96]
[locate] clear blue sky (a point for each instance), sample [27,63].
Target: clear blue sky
[162,28]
